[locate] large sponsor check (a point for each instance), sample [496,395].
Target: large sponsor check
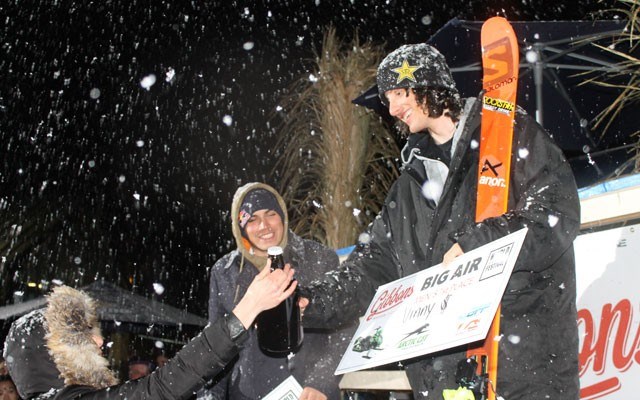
[434,309]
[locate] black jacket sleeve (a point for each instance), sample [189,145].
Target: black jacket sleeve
[344,294]
[201,359]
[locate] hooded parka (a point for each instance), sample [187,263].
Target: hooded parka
[430,208]
[70,322]
[255,374]
[30,365]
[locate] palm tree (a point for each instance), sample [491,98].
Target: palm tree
[627,74]
[336,160]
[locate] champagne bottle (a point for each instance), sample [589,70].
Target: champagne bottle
[279,329]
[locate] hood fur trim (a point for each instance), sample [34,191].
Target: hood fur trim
[72,322]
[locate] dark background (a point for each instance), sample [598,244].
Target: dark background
[103,178]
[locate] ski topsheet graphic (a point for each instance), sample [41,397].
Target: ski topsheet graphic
[500,63]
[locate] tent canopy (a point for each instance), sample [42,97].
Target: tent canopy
[116,305]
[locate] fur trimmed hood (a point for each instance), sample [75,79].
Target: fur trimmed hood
[72,324]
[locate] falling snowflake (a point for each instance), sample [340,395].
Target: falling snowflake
[148,81]
[432,190]
[426,20]
[364,238]
[158,288]
[553,220]
[523,153]
[171,73]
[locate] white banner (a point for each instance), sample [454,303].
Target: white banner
[434,309]
[608,299]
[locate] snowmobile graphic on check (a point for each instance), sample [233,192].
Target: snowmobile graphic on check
[368,343]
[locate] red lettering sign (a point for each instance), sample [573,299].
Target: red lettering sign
[614,338]
[388,300]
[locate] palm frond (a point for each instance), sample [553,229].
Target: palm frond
[337,159]
[626,75]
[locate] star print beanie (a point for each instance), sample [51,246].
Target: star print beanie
[413,66]
[255,200]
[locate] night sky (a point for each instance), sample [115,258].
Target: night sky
[126,125]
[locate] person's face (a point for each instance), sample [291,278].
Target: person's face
[99,340]
[138,371]
[403,105]
[161,360]
[264,229]
[8,391]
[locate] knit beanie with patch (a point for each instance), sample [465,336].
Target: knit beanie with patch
[413,66]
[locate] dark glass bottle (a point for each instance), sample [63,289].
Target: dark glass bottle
[280,329]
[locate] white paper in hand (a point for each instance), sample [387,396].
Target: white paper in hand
[289,389]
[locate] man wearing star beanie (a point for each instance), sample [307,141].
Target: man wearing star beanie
[258,221]
[428,217]
[414,66]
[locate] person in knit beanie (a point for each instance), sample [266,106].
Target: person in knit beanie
[429,218]
[259,220]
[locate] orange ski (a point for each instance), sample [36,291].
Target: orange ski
[500,62]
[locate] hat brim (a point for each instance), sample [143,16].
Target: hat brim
[371,100]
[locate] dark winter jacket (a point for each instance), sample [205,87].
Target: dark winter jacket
[255,374]
[71,322]
[30,365]
[538,353]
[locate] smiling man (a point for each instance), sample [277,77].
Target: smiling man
[259,221]
[429,217]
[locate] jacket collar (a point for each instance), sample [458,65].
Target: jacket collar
[420,145]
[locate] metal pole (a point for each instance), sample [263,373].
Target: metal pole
[538,80]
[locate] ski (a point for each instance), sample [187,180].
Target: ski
[500,64]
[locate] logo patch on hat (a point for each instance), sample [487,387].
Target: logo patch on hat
[243,218]
[405,71]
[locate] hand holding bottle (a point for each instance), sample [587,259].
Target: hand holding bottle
[279,329]
[268,289]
